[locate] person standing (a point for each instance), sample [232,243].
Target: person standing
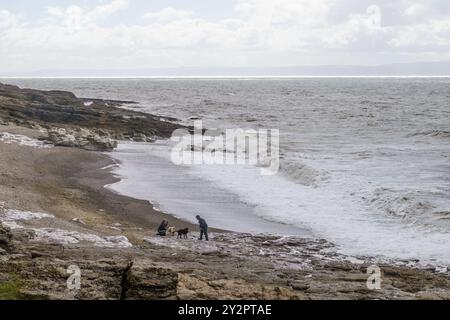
[203,228]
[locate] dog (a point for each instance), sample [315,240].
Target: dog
[171,231]
[183,233]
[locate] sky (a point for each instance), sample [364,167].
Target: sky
[140,34]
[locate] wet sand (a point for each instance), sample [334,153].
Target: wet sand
[69,183]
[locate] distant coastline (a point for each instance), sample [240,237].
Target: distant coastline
[395,70]
[231,77]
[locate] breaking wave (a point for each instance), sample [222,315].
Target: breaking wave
[398,204]
[303,174]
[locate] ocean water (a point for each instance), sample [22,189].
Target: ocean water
[365,162]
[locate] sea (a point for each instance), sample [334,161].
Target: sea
[364,162]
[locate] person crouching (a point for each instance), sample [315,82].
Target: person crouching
[162,230]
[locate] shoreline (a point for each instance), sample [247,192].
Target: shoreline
[179,192]
[145,208]
[69,184]
[57,213]
[141,218]
[91,174]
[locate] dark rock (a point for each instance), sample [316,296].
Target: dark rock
[139,137]
[5,238]
[64,110]
[149,283]
[300,286]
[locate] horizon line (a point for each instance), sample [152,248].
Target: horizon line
[222,77]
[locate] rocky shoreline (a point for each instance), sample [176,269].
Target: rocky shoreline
[68,121]
[56,214]
[230,267]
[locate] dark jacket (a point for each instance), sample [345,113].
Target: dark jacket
[163,227]
[203,224]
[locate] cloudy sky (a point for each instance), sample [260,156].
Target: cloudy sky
[129,34]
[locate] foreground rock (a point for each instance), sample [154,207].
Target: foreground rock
[237,270]
[5,240]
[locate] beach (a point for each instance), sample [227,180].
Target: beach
[58,213]
[70,182]
[363,161]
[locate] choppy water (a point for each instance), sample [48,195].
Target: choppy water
[365,162]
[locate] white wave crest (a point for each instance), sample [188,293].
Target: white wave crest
[404,205]
[302,173]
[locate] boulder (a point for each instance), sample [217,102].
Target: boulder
[81,138]
[139,137]
[142,282]
[5,238]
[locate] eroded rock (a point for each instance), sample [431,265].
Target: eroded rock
[102,118]
[81,138]
[5,238]
[142,282]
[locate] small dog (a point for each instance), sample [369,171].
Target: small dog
[171,231]
[183,233]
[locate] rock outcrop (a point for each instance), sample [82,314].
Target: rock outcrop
[5,240]
[142,282]
[102,120]
[81,138]
[289,269]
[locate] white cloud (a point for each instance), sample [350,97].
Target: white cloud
[258,30]
[357,27]
[55,11]
[420,8]
[8,20]
[75,17]
[285,12]
[415,9]
[435,33]
[168,14]
[103,11]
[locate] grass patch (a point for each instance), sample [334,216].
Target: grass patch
[10,291]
